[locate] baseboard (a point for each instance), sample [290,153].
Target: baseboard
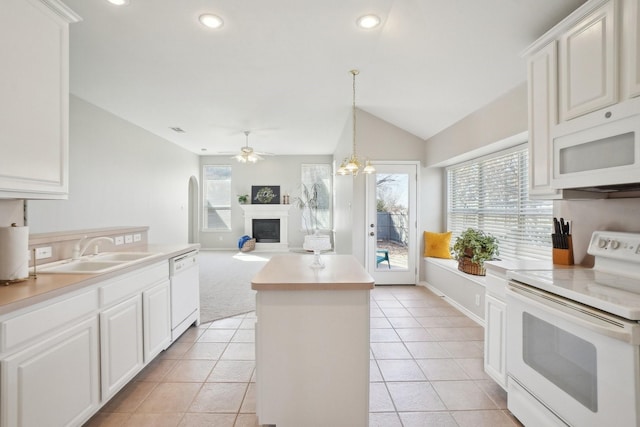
[453,303]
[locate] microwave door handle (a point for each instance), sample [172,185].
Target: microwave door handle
[598,323]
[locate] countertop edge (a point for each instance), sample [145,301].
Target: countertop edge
[73,282]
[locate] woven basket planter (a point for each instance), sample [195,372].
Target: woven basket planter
[467,266]
[248,246]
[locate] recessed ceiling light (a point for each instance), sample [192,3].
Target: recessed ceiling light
[368,21]
[211,21]
[119,2]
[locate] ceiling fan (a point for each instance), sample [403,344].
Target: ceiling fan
[248,154]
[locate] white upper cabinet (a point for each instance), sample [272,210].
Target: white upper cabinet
[588,63]
[631,49]
[542,89]
[34,98]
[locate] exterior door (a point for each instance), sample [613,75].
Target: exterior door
[392,223]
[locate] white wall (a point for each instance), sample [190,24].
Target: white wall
[497,121]
[273,170]
[376,140]
[120,175]
[588,216]
[498,125]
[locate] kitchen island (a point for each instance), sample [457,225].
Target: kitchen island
[312,342]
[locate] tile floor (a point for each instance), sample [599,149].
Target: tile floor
[426,370]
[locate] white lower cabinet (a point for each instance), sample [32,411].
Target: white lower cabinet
[495,331]
[121,344]
[55,382]
[61,360]
[156,309]
[495,351]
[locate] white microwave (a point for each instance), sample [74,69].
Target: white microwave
[605,157]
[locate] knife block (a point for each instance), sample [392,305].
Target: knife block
[564,256]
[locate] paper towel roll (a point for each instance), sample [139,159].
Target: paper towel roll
[14,253]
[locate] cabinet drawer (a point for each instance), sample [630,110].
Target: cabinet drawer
[133,283]
[31,325]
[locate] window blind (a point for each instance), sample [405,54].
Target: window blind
[492,194]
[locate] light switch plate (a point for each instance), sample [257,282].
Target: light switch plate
[119,240]
[128,238]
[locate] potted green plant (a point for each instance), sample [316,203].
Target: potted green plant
[472,248]
[243,199]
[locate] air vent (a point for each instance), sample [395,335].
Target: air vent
[177,129]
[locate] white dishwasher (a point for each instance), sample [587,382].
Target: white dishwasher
[185,292]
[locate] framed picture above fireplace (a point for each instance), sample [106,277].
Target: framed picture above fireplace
[265,194]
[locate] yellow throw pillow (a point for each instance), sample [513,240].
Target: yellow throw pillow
[436,245]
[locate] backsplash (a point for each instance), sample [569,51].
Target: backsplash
[588,216]
[62,243]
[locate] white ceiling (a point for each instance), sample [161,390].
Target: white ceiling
[280,68]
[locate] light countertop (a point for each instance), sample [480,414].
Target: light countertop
[46,285]
[293,272]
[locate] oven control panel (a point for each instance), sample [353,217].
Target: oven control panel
[617,245]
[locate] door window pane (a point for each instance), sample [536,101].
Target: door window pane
[392,206]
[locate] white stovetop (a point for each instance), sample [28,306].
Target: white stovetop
[614,294]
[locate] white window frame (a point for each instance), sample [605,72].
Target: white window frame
[221,205]
[522,226]
[327,183]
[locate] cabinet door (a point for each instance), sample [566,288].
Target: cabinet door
[494,340]
[34,99]
[121,344]
[588,63]
[157,320]
[55,382]
[631,17]
[542,90]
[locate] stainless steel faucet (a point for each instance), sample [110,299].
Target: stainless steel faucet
[79,250]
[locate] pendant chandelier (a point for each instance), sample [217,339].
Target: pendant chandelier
[351,165]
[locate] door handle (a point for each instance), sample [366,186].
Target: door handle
[372,234]
[372,225]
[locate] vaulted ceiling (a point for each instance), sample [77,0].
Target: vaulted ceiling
[280,68]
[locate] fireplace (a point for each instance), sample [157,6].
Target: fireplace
[266,230]
[271,233]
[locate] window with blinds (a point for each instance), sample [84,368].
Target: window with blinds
[492,194]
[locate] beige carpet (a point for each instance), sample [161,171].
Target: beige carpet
[225,282]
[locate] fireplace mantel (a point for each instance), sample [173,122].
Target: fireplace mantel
[280,212]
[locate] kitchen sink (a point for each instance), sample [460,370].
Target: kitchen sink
[94,264]
[80,266]
[123,256]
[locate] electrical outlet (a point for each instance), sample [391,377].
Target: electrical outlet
[119,240]
[43,252]
[128,238]
[137,237]
[477,300]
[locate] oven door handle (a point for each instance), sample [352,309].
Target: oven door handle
[596,321]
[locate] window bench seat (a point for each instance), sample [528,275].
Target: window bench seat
[463,291]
